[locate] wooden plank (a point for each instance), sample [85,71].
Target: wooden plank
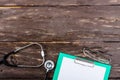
[59,2]
[93,23]
[52,50]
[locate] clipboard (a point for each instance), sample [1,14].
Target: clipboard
[70,67]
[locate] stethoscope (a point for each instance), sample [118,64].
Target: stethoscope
[48,65]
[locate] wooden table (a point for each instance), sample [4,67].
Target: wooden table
[59,25]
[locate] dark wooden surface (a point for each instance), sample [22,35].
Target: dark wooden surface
[59,2]
[59,25]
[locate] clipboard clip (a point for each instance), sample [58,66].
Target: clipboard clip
[84,62]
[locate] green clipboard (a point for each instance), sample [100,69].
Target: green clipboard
[70,67]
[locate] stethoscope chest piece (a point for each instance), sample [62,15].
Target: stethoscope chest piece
[49,65]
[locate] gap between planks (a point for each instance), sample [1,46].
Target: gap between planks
[61,5]
[60,42]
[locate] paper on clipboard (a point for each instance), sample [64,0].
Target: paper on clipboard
[69,69]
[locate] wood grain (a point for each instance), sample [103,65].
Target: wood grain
[95,23]
[59,2]
[59,26]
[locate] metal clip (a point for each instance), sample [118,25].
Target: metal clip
[84,62]
[94,55]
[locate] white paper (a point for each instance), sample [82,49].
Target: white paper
[71,71]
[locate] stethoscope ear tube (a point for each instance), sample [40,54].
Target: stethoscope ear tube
[19,49]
